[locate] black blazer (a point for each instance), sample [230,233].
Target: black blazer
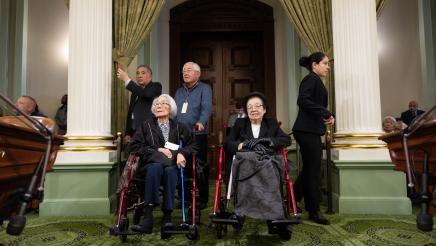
[149,138]
[140,104]
[242,131]
[407,116]
[312,103]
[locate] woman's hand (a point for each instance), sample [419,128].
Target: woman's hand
[330,121]
[166,152]
[181,161]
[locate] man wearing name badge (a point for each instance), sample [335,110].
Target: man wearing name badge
[144,91]
[194,105]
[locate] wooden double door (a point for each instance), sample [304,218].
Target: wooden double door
[232,64]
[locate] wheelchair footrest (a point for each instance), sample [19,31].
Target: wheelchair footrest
[190,231]
[115,231]
[177,231]
[225,218]
[290,221]
[225,221]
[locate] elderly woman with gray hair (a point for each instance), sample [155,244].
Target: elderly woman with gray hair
[157,142]
[390,124]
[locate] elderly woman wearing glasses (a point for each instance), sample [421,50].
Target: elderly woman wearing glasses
[256,167]
[248,132]
[157,142]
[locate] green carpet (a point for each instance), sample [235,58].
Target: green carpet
[345,230]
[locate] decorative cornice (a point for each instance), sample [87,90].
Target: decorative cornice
[358,146]
[91,138]
[357,135]
[86,148]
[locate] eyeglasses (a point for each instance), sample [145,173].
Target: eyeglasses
[250,107]
[160,104]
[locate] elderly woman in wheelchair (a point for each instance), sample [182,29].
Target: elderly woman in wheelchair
[157,143]
[255,142]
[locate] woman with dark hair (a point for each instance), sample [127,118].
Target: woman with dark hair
[256,140]
[255,126]
[309,126]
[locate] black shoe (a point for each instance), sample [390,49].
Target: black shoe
[142,227]
[166,225]
[166,219]
[318,218]
[146,225]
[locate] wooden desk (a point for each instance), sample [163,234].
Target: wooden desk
[21,148]
[423,139]
[420,143]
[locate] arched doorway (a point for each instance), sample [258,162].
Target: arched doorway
[233,42]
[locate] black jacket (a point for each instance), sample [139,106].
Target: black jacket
[407,116]
[140,104]
[312,103]
[242,131]
[149,138]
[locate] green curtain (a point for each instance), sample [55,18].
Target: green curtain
[132,22]
[313,22]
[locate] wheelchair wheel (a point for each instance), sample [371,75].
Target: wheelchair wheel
[238,227]
[163,234]
[193,233]
[285,233]
[123,227]
[219,231]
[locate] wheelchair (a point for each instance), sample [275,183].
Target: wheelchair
[220,216]
[130,198]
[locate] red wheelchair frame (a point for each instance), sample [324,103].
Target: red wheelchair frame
[221,218]
[121,227]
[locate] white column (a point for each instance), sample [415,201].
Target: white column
[89,83]
[363,173]
[358,113]
[356,66]
[89,68]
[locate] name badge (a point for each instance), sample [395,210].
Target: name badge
[171,146]
[184,107]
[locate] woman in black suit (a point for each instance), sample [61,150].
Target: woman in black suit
[309,126]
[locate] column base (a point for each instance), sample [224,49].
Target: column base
[369,187]
[80,188]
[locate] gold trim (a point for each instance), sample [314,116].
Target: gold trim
[358,146]
[89,138]
[358,135]
[86,148]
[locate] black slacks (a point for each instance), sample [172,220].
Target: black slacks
[202,169]
[308,183]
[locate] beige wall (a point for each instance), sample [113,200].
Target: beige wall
[399,56]
[47,66]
